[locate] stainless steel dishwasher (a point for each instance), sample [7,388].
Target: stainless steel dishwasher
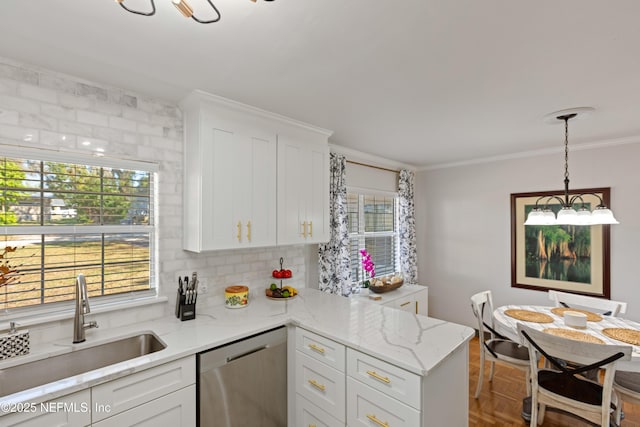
[244,383]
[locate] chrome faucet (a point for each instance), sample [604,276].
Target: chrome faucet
[82,308]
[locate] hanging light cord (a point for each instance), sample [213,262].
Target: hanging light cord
[153,9]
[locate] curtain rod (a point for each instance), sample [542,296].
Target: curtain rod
[374,167]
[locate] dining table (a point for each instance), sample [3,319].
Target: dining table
[599,328]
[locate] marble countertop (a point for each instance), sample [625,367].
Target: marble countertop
[413,342]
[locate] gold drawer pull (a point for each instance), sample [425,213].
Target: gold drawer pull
[406,303]
[312,425]
[239,231]
[377,421]
[310,228]
[304,229]
[377,376]
[249,231]
[316,348]
[316,385]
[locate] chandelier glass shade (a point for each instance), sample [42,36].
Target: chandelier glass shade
[573,209]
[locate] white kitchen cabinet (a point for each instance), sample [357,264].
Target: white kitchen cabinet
[303,191]
[73,410]
[236,173]
[413,302]
[409,297]
[177,409]
[128,392]
[377,392]
[230,180]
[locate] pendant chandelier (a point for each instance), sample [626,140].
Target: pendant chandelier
[568,215]
[184,8]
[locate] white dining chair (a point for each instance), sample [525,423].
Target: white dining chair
[494,347]
[604,306]
[627,387]
[563,386]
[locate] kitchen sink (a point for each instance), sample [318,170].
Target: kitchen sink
[44,371]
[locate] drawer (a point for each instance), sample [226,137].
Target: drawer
[177,409]
[309,415]
[385,377]
[320,348]
[406,304]
[126,392]
[320,384]
[367,407]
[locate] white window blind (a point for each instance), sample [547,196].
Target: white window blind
[372,226]
[60,219]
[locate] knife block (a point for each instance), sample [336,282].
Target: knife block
[184,311]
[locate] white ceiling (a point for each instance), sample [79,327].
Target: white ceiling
[423,82]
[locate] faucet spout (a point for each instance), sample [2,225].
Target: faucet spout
[82,308]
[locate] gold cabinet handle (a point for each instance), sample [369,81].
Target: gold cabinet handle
[316,385]
[310,228]
[239,231]
[406,303]
[379,377]
[316,348]
[312,425]
[304,229]
[248,231]
[377,421]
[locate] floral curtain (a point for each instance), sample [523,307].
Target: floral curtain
[407,226]
[333,257]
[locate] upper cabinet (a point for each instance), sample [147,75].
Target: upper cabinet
[303,191]
[245,185]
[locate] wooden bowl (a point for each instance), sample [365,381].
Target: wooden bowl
[386,287]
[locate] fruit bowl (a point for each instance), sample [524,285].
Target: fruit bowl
[286,292]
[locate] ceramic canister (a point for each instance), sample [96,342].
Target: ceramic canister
[236,296]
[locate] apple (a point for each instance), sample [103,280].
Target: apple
[286,274]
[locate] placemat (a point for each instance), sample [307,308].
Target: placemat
[529,316]
[630,336]
[573,335]
[591,317]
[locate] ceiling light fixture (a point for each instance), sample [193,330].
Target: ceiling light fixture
[567,215]
[185,9]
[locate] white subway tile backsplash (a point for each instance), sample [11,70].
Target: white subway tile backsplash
[92,118]
[64,111]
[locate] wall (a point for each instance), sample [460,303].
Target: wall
[463,225]
[61,111]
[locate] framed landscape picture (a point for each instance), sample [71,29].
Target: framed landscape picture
[569,258]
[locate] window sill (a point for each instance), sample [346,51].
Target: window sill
[39,317]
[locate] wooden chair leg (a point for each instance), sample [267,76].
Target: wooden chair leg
[493,366]
[534,412]
[541,412]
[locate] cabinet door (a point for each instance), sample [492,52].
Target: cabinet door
[260,226]
[317,191]
[177,409]
[67,411]
[303,191]
[238,188]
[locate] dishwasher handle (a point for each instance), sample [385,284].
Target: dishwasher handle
[246,353]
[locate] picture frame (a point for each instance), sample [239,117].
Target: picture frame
[566,258]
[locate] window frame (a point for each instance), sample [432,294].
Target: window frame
[109,300]
[362,234]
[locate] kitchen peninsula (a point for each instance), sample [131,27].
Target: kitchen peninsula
[430,351]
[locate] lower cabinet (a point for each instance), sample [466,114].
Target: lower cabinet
[161,396]
[377,393]
[411,298]
[174,409]
[73,410]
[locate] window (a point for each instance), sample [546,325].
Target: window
[60,219]
[373,226]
